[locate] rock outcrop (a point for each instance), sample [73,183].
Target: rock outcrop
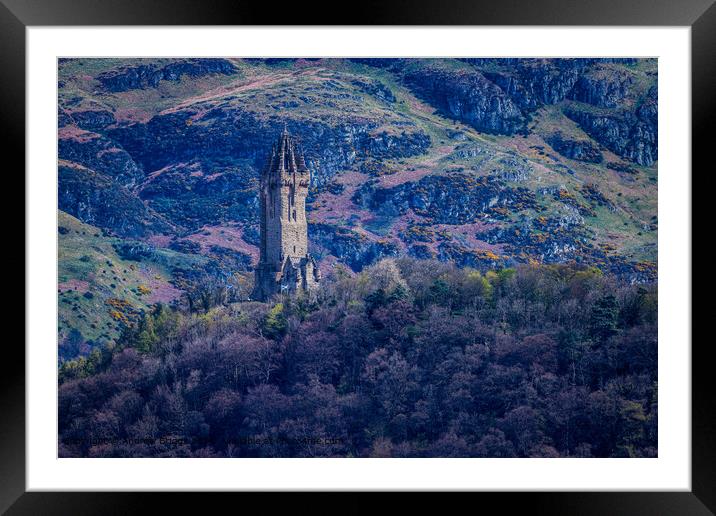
[453,199]
[469,97]
[233,134]
[581,150]
[534,83]
[150,75]
[354,249]
[203,192]
[91,120]
[602,87]
[97,200]
[102,155]
[377,89]
[633,136]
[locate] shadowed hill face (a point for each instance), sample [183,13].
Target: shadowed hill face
[485,162]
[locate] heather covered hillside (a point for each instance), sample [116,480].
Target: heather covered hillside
[485,164]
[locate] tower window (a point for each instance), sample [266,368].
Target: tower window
[294,248]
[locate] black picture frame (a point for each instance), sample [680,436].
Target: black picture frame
[17,15]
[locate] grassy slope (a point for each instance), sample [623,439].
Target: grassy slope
[88,263]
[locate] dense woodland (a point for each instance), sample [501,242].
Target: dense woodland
[409,358]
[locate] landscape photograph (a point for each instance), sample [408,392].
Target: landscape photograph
[357,257]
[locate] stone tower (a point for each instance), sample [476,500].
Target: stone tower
[285,265]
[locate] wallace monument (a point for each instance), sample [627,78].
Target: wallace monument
[285,265]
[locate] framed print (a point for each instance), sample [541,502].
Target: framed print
[437,249]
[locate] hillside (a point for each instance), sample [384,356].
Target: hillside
[484,162]
[105,282]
